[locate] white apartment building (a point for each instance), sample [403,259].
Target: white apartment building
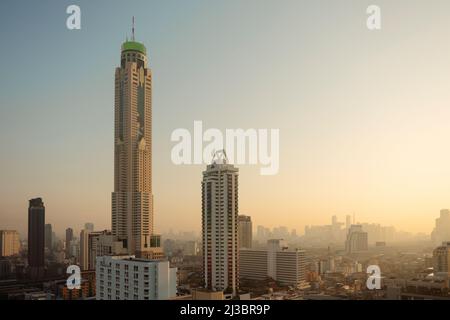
[220,225]
[129,278]
[278,262]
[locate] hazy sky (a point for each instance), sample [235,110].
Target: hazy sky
[363,116]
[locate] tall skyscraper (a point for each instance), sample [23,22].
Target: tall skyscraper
[357,240]
[132,199]
[9,243]
[48,237]
[69,238]
[220,225]
[36,238]
[245,231]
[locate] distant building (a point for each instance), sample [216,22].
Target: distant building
[326,265]
[9,243]
[128,278]
[89,226]
[48,237]
[253,264]
[36,238]
[441,259]
[348,221]
[75,251]
[245,231]
[97,243]
[54,239]
[357,240]
[69,238]
[277,262]
[84,249]
[220,225]
[102,244]
[263,233]
[191,248]
[441,231]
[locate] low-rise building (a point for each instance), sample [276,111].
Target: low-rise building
[288,266]
[129,278]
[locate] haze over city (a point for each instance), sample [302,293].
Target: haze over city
[362,116]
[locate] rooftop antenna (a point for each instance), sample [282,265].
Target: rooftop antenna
[132,31]
[220,157]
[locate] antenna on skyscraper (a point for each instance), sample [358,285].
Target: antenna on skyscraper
[220,157]
[132,31]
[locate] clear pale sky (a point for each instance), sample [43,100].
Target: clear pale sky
[363,116]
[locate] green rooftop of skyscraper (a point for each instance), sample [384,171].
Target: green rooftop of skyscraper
[134,46]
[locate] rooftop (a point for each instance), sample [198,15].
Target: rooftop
[134,46]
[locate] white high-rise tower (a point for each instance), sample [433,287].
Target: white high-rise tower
[220,225]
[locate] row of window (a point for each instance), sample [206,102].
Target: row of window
[118,265]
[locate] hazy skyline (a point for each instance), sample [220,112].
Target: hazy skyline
[362,115]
